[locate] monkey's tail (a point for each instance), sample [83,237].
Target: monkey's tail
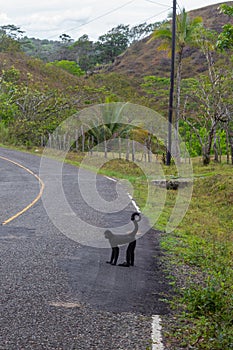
[136,214]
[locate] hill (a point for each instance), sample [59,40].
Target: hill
[140,59]
[144,58]
[41,74]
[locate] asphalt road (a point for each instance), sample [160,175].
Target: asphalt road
[59,294]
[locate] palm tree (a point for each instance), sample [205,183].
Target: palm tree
[110,124]
[185,29]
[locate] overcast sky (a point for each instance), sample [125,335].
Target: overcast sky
[48,19]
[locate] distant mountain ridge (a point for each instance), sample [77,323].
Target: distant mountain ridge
[144,58]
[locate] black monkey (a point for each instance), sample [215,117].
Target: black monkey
[132,245]
[117,239]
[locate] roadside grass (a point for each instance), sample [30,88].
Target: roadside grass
[198,255]
[202,246]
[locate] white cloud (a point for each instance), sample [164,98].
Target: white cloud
[51,18]
[57,18]
[4,19]
[52,23]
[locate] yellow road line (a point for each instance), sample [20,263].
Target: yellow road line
[34,201]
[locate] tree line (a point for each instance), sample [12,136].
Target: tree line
[84,51]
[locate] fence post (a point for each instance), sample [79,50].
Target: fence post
[119,144]
[64,142]
[83,139]
[105,149]
[92,144]
[133,150]
[76,140]
[127,148]
[50,141]
[149,149]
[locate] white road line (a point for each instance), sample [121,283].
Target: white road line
[134,203]
[110,178]
[156,333]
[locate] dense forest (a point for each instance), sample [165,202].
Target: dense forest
[43,82]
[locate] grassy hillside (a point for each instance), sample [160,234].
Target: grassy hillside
[36,73]
[41,74]
[140,59]
[35,97]
[144,58]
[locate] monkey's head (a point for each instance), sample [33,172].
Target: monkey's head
[135,214]
[108,234]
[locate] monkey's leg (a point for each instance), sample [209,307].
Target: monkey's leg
[116,254]
[126,263]
[132,258]
[130,253]
[112,257]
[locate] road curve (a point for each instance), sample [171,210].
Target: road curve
[58,294]
[33,202]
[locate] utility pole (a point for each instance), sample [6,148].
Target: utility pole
[170,111]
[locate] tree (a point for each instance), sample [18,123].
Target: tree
[211,109]
[8,88]
[64,47]
[70,66]
[138,32]
[225,43]
[109,125]
[85,53]
[65,38]
[9,38]
[12,31]
[38,113]
[157,87]
[225,38]
[208,98]
[112,44]
[185,29]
